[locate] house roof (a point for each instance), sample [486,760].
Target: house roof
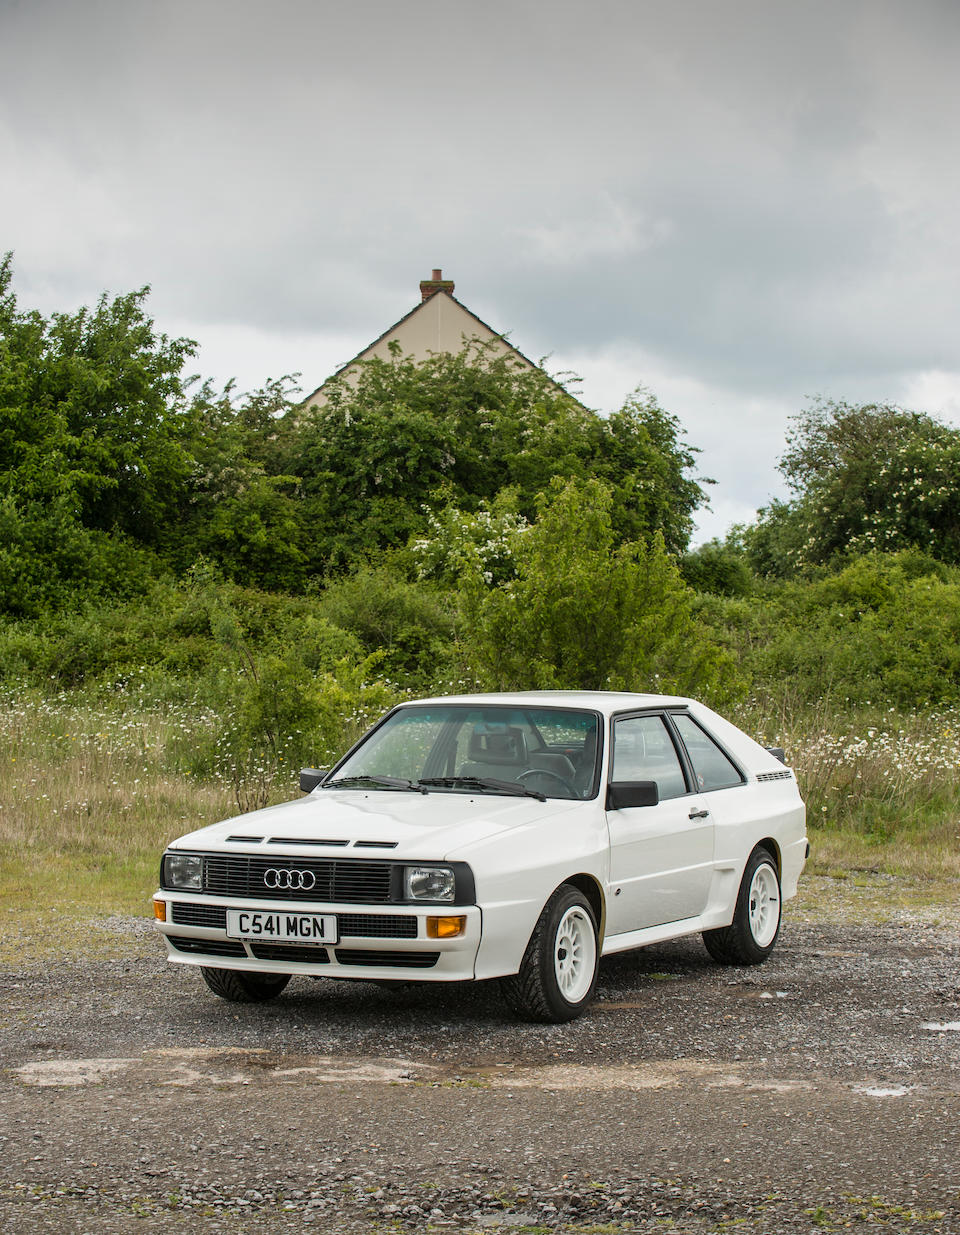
[431,289]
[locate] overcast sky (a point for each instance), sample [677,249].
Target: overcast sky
[738,204]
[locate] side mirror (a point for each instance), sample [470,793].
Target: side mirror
[310,778]
[622,794]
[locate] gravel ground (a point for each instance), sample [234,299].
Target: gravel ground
[820,1091]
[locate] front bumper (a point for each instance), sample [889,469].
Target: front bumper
[388,944]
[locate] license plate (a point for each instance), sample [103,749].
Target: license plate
[318,928]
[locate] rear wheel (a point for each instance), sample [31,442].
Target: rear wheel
[558,974]
[242,987]
[750,937]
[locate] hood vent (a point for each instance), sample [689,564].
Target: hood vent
[250,840]
[306,840]
[374,844]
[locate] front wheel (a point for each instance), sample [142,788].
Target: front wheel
[558,974]
[750,937]
[243,987]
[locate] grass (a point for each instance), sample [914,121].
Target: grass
[91,793]
[89,798]
[880,769]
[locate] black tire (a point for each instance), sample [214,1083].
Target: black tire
[242,987]
[558,974]
[750,937]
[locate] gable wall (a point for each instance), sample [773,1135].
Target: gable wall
[440,324]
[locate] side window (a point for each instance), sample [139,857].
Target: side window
[711,766]
[643,750]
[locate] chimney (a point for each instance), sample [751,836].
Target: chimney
[436,284]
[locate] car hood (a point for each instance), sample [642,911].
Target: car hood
[385,824]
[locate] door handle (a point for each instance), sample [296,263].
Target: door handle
[699,814]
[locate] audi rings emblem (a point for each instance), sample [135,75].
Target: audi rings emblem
[289,880]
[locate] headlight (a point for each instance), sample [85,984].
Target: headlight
[183,870]
[429,883]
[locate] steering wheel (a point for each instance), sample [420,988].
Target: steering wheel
[547,772]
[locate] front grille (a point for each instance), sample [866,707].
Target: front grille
[208,947]
[287,952]
[395,960]
[334,879]
[199,915]
[378,926]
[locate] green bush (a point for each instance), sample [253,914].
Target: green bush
[586,613]
[50,562]
[883,630]
[410,625]
[719,569]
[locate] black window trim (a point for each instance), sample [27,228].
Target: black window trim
[686,767]
[686,763]
[735,763]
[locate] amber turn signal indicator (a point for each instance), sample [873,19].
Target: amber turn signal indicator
[160,910]
[446,928]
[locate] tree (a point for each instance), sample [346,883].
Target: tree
[642,456]
[90,407]
[94,449]
[460,543]
[408,624]
[240,509]
[107,449]
[585,612]
[458,429]
[49,560]
[873,478]
[105,443]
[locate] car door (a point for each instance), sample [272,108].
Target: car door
[723,786]
[661,857]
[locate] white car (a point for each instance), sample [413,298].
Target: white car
[513,836]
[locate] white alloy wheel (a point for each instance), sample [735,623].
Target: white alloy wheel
[764,905]
[575,955]
[558,972]
[750,937]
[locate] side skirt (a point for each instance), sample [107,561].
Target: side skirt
[661,933]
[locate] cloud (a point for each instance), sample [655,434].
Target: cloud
[755,201]
[609,230]
[741,463]
[935,392]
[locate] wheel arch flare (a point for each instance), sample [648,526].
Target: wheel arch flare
[591,889]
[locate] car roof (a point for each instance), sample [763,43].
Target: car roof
[605,701]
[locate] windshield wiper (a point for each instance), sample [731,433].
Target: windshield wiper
[373,782]
[484,784]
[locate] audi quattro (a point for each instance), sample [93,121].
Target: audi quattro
[511,836]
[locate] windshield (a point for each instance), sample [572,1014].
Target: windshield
[460,748]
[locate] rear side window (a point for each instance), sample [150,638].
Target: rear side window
[711,766]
